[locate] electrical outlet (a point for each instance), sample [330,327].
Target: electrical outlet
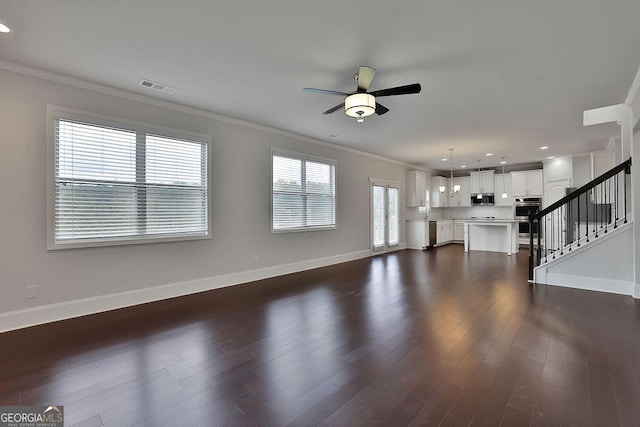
[255,259]
[32,292]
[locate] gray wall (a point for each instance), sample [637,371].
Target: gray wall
[240,166]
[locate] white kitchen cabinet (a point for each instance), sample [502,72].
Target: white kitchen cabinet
[444,232]
[417,234]
[503,183]
[416,189]
[463,197]
[439,199]
[527,183]
[481,182]
[458,231]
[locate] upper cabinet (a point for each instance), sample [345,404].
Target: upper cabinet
[416,189]
[481,181]
[527,183]
[439,192]
[461,198]
[503,184]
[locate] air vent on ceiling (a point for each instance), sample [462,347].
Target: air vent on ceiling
[157,86]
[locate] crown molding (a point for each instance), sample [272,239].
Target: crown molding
[131,96]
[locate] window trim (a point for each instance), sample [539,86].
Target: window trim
[304,157]
[57,112]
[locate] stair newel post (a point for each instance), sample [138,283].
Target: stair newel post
[539,238]
[627,170]
[531,248]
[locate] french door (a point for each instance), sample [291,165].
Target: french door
[385,215]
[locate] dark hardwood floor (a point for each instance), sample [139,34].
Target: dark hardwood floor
[411,338]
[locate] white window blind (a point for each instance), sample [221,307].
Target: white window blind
[303,192]
[126,185]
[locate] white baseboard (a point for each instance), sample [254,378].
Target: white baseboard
[636,294]
[69,309]
[590,283]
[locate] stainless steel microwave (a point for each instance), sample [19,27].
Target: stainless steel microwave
[482,199]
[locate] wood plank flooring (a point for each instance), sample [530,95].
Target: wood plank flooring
[412,338]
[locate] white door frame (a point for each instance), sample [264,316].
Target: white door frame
[386,184]
[554,222]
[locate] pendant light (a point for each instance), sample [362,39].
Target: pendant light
[454,188]
[479,195]
[504,188]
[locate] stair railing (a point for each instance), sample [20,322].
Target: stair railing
[588,212]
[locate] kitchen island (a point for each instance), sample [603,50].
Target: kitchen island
[495,235]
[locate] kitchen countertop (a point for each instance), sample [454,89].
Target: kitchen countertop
[474,220]
[485,221]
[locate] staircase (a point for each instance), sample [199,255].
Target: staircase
[585,240]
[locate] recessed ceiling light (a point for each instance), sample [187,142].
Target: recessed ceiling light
[4,28]
[489,154]
[332,136]
[544,147]
[444,160]
[550,157]
[504,162]
[463,166]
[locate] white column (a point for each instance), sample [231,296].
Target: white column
[635,203]
[466,237]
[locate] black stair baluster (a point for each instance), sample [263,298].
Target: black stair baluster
[603,203]
[586,205]
[606,198]
[578,215]
[560,227]
[615,223]
[594,195]
[553,246]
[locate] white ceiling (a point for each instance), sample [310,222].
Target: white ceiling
[500,76]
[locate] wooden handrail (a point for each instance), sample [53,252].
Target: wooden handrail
[534,259]
[624,166]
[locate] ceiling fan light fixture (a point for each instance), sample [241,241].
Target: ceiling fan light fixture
[360,105]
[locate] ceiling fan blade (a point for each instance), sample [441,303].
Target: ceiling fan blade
[336,108]
[324,91]
[381,109]
[365,77]
[399,90]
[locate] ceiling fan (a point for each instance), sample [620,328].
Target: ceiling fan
[361,104]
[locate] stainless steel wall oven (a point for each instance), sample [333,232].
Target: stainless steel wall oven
[521,209]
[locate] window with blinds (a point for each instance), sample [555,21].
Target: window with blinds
[126,184]
[303,192]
